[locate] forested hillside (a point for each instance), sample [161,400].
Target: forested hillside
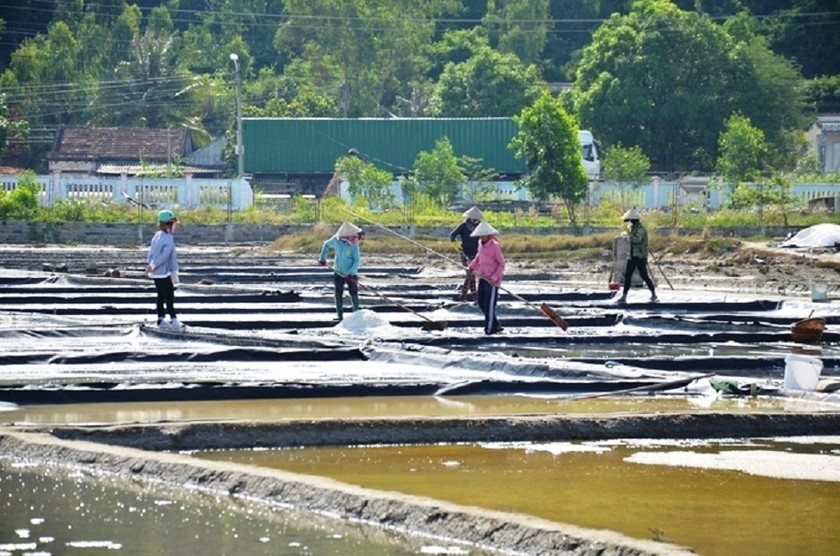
[663,75]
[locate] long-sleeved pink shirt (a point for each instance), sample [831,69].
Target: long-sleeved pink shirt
[489,263]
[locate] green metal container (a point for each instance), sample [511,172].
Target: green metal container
[312,145]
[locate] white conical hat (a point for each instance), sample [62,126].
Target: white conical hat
[631,214]
[474,214]
[347,230]
[484,229]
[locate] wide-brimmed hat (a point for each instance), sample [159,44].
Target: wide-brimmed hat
[484,229]
[631,214]
[166,216]
[347,230]
[474,214]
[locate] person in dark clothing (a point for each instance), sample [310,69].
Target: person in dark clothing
[468,248]
[637,256]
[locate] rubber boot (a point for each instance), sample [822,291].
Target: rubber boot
[339,308]
[355,299]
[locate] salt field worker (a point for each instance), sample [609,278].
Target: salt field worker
[345,244]
[489,266]
[637,255]
[468,248]
[162,267]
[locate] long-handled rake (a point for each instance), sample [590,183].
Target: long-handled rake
[544,308]
[428,325]
[659,266]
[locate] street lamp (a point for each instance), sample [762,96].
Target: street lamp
[240,149]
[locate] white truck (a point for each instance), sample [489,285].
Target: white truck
[589,152]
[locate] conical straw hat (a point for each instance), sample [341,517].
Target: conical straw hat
[484,229]
[347,230]
[631,214]
[474,214]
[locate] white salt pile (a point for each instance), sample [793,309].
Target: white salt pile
[365,323]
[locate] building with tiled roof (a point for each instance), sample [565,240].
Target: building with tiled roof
[89,151]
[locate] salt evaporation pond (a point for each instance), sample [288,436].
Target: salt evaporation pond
[737,496]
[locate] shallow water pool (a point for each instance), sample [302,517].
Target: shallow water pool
[73,514]
[610,485]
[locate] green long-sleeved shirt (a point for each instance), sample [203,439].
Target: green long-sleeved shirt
[638,242]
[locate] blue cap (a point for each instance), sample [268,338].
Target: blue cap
[166,216]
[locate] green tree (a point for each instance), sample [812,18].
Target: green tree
[519,27]
[299,92]
[768,89]
[438,174]
[375,45]
[743,164]
[824,93]
[478,182]
[743,151]
[667,79]
[10,128]
[153,83]
[806,31]
[548,142]
[625,166]
[489,83]
[367,181]
[46,84]
[574,21]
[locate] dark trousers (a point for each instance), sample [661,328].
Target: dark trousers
[339,281]
[165,297]
[488,296]
[634,263]
[469,280]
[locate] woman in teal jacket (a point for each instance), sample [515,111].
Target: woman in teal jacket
[345,243]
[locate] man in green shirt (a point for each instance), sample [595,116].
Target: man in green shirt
[637,255]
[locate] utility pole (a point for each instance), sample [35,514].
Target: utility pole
[240,148]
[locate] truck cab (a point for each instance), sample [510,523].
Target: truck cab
[589,153]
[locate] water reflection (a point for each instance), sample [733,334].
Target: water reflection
[58,515]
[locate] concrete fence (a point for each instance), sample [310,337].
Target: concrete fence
[235,194]
[181,193]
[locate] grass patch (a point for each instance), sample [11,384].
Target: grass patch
[554,247]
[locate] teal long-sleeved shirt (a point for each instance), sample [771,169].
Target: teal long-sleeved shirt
[347,256]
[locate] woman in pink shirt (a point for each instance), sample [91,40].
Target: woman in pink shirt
[489,266]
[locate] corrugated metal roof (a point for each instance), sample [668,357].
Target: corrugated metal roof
[149,169]
[312,145]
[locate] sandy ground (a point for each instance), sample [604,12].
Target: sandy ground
[752,268]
